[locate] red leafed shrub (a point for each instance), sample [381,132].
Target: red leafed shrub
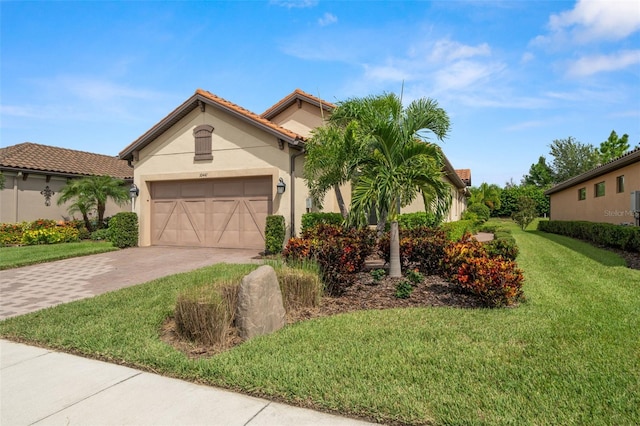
[340,253]
[297,249]
[456,253]
[498,282]
[420,248]
[495,279]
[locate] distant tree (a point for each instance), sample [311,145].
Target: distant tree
[91,193]
[571,158]
[510,196]
[540,174]
[487,194]
[613,147]
[526,212]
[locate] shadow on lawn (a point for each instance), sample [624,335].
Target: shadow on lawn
[583,247]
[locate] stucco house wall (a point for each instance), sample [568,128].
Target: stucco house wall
[613,207]
[30,169]
[243,146]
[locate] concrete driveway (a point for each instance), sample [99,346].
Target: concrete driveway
[35,287]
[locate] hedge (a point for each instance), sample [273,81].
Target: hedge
[311,220]
[123,230]
[605,234]
[274,233]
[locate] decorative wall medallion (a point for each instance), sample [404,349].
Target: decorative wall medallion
[48,193]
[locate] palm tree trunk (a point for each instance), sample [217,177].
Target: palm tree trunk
[341,204]
[394,262]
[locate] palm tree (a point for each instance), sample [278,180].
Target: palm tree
[332,154]
[91,193]
[400,162]
[487,194]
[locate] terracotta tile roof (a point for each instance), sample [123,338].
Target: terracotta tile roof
[44,158]
[203,96]
[291,98]
[465,175]
[245,112]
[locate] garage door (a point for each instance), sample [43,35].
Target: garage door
[227,213]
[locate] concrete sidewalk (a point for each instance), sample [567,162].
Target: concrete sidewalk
[41,387]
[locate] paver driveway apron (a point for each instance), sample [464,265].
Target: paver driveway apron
[35,287]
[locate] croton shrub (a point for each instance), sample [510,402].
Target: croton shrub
[340,253]
[41,231]
[494,278]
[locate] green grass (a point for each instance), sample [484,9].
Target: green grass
[569,355]
[14,257]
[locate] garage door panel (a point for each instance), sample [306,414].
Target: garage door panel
[230,216]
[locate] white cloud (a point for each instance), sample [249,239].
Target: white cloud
[593,20]
[461,75]
[589,65]
[447,50]
[527,57]
[526,125]
[389,73]
[327,19]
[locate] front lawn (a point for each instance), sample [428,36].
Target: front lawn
[569,355]
[14,257]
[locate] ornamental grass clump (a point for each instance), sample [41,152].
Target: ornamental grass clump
[205,314]
[300,285]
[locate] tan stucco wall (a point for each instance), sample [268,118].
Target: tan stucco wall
[300,119]
[458,204]
[238,148]
[21,200]
[613,207]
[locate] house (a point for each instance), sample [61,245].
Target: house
[35,174]
[211,171]
[602,194]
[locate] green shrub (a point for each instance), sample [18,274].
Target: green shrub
[100,235]
[123,230]
[41,224]
[274,234]
[456,230]
[478,213]
[403,289]
[606,234]
[378,274]
[417,220]
[503,244]
[311,220]
[414,276]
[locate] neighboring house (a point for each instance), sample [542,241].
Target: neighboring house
[35,174]
[211,171]
[602,194]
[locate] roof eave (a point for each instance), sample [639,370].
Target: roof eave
[625,160]
[182,111]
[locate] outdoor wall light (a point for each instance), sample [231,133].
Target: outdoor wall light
[134,191]
[281,186]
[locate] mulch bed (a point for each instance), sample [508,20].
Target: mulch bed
[364,294]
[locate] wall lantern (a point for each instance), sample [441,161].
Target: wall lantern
[281,186]
[134,191]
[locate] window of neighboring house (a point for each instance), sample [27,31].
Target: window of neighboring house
[620,184]
[582,194]
[202,135]
[599,187]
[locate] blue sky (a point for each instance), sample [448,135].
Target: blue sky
[512,75]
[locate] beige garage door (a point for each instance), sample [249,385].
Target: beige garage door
[228,213]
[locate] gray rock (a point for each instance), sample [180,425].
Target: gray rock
[260,308]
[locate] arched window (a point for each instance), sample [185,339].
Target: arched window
[202,135]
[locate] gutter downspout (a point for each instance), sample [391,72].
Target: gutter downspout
[292,178]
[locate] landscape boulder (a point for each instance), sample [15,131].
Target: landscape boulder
[260,308]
